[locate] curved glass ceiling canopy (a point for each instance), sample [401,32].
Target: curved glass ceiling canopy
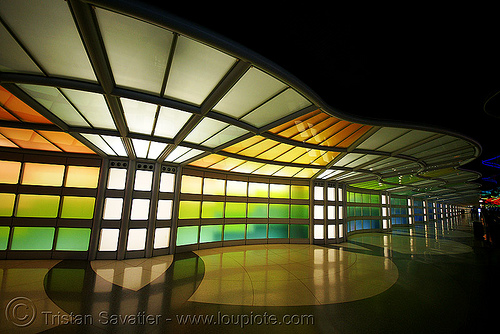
[150,86]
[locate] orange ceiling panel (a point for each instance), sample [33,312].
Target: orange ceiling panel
[20,109]
[66,142]
[28,139]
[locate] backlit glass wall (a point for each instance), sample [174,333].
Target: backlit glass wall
[364,210]
[400,210]
[328,212]
[47,205]
[224,209]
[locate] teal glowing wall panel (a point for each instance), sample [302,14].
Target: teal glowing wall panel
[279,191]
[236,210]
[211,233]
[256,231]
[37,206]
[299,211]
[73,239]
[4,237]
[279,211]
[300,192]
[257,210]
[278,231]
[7,204]
[234,231]
[212,210]
[32,238]
[299,231]
[77,207]
[189,210]
[187,235]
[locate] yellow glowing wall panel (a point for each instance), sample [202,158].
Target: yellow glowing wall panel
[236,188]
[77,207]
[9,172]
[37,206]
[258,190]
[43,174]
[299,192]
[212,210]
[213,187]
[189,210]
[279,191]
[82,177]
[7,204]
[191,184]
[243,144]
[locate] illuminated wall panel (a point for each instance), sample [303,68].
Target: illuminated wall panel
[236,188]
[162,237]
[300,192]
[211,233]
[256,231]
[82,177]
[117,178]
[279,191]
[140,209]
[37,206]
[7,204]
[212,210]
[77,207]
[108,240]
[299,231]
[32,238]
[187,235]
[189,210]
[167,181]
[136,239]
[299,211]
[73,239]
[234,231]
[164,209]
[213,187]
[236,210]
[4,237]
[43,174]
[257,210]
[278,231]
[143,180]
[10,171]
[113,208]
[191,184]
[279,211]
[258,190]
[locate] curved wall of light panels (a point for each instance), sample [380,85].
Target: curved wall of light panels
[201,143]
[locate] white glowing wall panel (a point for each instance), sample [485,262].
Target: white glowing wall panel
[162,237]
[113,208]
[143,180]
[136,239]
[109,239]
[117,178]
[140,209]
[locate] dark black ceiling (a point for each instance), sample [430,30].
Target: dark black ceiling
[424,66]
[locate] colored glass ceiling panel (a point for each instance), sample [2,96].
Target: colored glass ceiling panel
[28,139]
[66,142]
[6,116]
[4,142]
[20,109]
[291,125]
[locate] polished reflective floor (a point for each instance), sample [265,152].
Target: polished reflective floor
[432,278]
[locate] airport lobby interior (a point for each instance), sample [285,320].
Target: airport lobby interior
[168,169]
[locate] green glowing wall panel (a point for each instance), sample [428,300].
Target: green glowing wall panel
[299,211]
[256,231]
[212,210]
[73,239]
[7,204]
[234,232]
[189,210]
[4,237]
[236,210]
[257,210]
[210,233]
[299,231]
[77,207]
[279,191]
[278,231]
[258,190]
[300,192]
[279,211]
[187,235]
[37,206]
[32,238]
